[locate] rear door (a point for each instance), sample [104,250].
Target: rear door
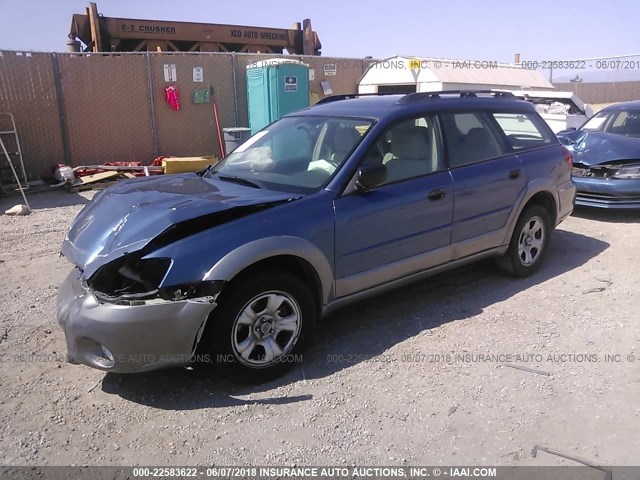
[489,179]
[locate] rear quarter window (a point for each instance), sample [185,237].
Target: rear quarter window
[522,130]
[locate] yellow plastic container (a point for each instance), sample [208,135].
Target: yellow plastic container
[186,164]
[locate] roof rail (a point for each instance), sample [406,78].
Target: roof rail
[416,97]
[347,96]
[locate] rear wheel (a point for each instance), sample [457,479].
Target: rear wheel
[528,244]
[261,326]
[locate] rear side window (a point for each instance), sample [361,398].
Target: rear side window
[522,130]
[469,138]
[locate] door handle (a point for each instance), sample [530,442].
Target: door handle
[514,173]
[436,194]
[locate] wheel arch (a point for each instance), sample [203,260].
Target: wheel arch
[540,196]
[545,199]
[289,254]
[235,272]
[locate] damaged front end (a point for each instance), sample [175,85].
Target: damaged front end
[137,300]
[606,169]
[131,280]
[620,170]
[611,185]
[122,319]
[131,332]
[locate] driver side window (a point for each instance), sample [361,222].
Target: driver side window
[408,149]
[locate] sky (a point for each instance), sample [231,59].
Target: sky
[478,30]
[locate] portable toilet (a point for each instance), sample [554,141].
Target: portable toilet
[275,87]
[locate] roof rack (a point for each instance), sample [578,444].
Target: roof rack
[416,97]
[348,96]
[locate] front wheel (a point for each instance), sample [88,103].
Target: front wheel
[261,326]
[528,244]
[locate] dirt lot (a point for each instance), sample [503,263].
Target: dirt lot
[387,382]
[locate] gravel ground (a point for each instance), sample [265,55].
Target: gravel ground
[386,383]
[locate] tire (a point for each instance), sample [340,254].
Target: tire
[260,327]
[529,243]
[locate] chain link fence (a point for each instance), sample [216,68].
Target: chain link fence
[28,90]
[83,109]
[597,81]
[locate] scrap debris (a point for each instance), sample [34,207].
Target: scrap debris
[91,389]
[607,281]
[99,176]
[527,369]
[87,176]
[516,454]
[18,210]
[608,474]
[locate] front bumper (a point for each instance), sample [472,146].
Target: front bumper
[128,339]
[607,193]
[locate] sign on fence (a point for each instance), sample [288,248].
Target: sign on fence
[170,73]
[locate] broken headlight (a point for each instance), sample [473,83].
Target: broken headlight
[131,280]
[628,172]
[130,276]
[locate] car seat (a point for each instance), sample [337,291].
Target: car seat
[410,154]
[480,141]
[345,138]
[632,126]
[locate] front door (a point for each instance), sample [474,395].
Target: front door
[402,226]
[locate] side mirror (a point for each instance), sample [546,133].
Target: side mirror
[370,176]
[568,130]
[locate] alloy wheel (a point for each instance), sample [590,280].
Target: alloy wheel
[266,329]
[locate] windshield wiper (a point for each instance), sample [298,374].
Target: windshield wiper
[241,181]
[205,170]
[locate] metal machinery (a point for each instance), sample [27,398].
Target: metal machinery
[104,34]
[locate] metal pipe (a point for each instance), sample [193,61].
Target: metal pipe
[57,80]
[234,64]
[152,108]
[119,168]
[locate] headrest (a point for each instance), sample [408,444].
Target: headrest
[479,136]
[410,143]
[345,139]
[632,125]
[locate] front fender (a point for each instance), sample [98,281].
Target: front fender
[248,254]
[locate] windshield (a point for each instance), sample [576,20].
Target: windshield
[298,154]
[620,122]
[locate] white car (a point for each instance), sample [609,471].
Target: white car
[561,110]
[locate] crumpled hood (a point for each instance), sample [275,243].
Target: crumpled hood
[594,148]
[127,216]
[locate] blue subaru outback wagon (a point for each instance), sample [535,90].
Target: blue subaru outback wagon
[325,206]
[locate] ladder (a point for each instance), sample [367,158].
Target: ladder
[9,139]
